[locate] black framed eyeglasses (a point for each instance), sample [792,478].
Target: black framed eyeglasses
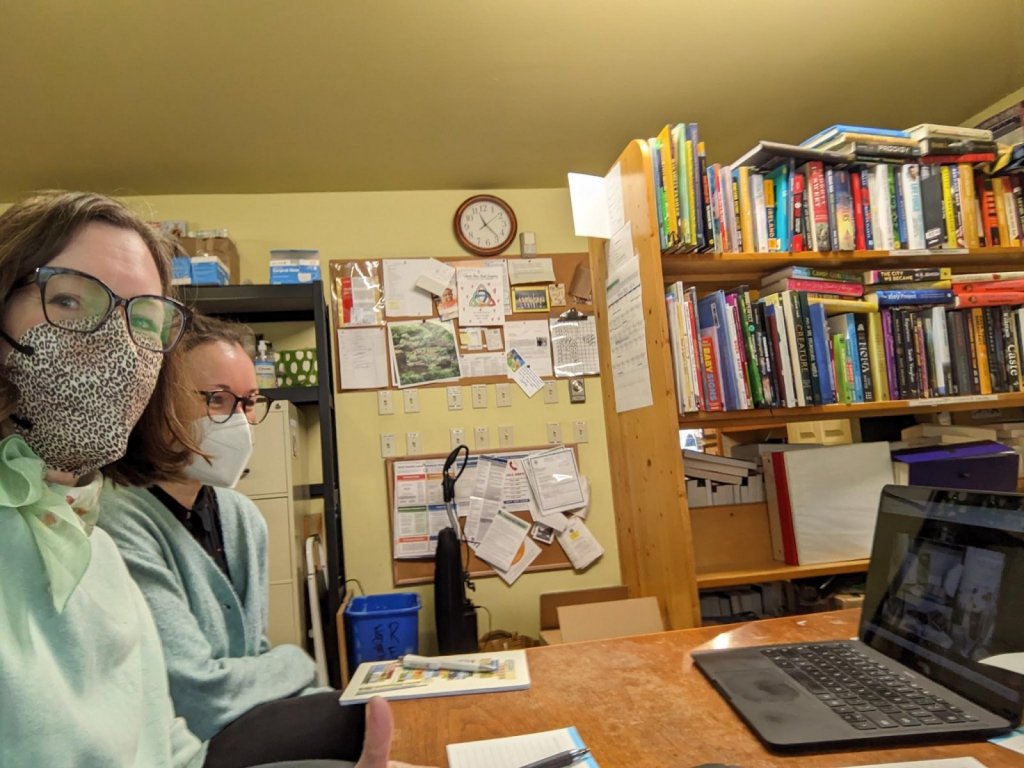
[75,301]
[221,404]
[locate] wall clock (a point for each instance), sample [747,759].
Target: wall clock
[485,225]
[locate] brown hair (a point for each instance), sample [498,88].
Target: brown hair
[207,330]
[32,233]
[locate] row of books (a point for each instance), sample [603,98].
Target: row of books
[846,188]
[819,337]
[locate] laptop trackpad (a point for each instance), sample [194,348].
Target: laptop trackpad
[763,686]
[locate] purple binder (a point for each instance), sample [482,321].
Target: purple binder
[984,465]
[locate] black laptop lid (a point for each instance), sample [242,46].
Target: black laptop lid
[945,589]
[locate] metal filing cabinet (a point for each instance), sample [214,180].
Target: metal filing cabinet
[274,482]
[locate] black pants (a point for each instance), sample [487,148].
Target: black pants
[311,727]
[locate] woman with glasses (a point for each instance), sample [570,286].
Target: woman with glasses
[88,382]
[198,551]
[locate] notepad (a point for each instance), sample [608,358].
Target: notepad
[516,751]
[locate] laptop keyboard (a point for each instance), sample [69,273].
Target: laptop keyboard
[864,693]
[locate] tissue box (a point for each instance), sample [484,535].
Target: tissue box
[181,270]
[294,266]
[221,247]
[209,270]
[296,368]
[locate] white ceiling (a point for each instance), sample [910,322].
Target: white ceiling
[203,96]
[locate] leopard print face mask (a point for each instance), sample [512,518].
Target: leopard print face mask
[80,393]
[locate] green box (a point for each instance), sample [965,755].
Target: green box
[296,368]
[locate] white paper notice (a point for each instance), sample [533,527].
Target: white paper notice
[516,488]
[363,358]
[522,374]
[401,296]
[589,202]
[481,293]
[574,346]
[579,544]
[527,271]
[531,339]
[479,518]
[501,543]
[434,275]
[627,339]
[555,480]
[526,554]
[619,250]
[492,339]
[613,198]
[482,364]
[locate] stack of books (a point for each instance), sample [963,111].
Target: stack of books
[846,188]
[812,336]
[717,480]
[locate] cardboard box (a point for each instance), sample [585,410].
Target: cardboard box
[221,247]
[296,368]
[288,267]
[616,618]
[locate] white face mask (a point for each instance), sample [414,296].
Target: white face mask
[229,446]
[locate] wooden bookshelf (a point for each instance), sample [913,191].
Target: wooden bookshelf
[667,549]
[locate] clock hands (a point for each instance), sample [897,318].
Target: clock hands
[487,224]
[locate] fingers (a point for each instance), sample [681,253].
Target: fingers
[377,740]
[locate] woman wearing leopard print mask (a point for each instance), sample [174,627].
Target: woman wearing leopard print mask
[88,379]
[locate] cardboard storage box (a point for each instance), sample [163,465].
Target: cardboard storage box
[221,247]
[209,270]
[294,266]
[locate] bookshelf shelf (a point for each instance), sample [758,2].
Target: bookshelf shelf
[776,416]
[775,571]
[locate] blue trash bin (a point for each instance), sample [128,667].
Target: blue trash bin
[379,627]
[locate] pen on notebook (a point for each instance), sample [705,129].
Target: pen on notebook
[561,759]
[412,661]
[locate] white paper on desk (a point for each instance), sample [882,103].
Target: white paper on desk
[579,544]
[481,292]
[502,541]
[527,271]
[434,276]
[363,358]
[515,751]
[522,374]
[627,339]
[527,553]
[555,480]
[574,346]
[481,364]
[532,340]
[401,296]
[948,762]
[1013,741]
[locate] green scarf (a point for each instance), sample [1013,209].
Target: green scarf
[60,531]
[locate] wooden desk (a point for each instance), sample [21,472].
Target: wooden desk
[640,702]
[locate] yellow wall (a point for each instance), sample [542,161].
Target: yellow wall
[413,224]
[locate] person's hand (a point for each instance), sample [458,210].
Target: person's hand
[377,741]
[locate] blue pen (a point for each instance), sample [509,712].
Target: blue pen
[561,759]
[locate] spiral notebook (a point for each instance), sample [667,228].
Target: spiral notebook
[516,751]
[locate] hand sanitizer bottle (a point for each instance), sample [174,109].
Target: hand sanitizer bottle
[266,375]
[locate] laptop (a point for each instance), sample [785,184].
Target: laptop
[943,606]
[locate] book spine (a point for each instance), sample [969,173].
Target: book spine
[1010,349]
[744,207]
[967,322]
[970,206]
[958,206]
[684,153]
[900,355]
[989,219]
[811,273]
[1018,203]
[699,192]
[860,228]
[990,299]
[948,216]
[700,385]
[844,211]
[998,286]
[909,297]
[819,286]
[739,351]
[759,212]
[881,206]
[911,350]
[981,350]
[864,355]
[958,354]
[931,207]
[890,354]
[844,370]
[1013,231]
[785,510]
[868,215]
[876,357]
[830,199]
[764,357]
[732,211]
[940,345]
[792,309]
[797,242]
[770,213]
[910,275]
[993,340]
[802,310]
[712,371]
[910,178]
[818,207]
[784,374]
[823,357]
[921,354]
[750,347]
[899,210]
[1000,203]
[704,202]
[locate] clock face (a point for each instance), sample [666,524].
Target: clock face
[485,225]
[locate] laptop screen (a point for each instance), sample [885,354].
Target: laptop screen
[945,589]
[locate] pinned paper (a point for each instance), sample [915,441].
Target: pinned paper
[527,553]
[482,295]
[482,364]
[435,276]
[401,296]
[589,205]
[579,544]
[526,271]
[363,358]
[501,543]
[532,340]
[522,374]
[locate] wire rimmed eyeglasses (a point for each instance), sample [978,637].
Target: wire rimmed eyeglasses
[221,404]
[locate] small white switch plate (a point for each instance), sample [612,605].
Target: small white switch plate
[458,437]
[412,443]
[503,395]
[454,398]
[550,392]
[411,398]
[385,403]
[387,444]
[505,436]
[479,395]
[482,438]
[579,431]
[554,431]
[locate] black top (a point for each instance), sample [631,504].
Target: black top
[202,521]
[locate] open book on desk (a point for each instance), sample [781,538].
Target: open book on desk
[516,751]
[390,680]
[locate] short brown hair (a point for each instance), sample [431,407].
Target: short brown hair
[32,233]
[206,330]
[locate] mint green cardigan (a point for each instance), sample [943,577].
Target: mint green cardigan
[213,630]
[87,686]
